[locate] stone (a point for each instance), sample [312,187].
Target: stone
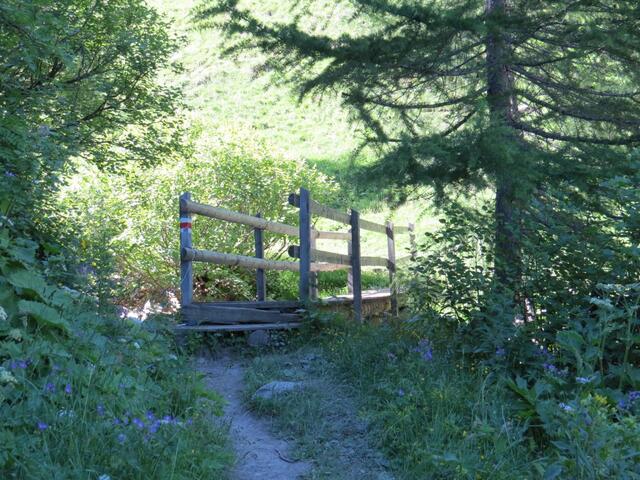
[258,338]
[277,387]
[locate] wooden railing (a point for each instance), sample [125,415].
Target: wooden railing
[311,259]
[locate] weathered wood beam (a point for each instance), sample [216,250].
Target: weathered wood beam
[237,328]
[209,256]
[336,215]
[338,258]
[186,267]
[268,305]
[235,217]
[197,313]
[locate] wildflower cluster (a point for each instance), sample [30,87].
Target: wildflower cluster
[424,349]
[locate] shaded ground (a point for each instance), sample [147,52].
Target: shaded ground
[260,455]
[325,436]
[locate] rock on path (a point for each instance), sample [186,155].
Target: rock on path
[260,456]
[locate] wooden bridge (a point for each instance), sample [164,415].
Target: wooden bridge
[263,314]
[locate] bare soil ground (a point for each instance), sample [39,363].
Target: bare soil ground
[311,433]
[260,455]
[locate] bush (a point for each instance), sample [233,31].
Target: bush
[132,217]
[84,395]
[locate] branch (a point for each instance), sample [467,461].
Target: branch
[633,139]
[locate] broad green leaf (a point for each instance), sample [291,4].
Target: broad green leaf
[43,314]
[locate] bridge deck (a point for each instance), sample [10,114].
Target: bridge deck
[269,315]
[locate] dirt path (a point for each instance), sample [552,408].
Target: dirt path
[260,455]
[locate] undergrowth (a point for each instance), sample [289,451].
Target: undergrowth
[88,395]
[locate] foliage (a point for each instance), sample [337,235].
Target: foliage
[135,213]
[79,79]
[86,395]
[435,417]
[515,96]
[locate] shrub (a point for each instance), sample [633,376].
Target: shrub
[85,395]
[132,217]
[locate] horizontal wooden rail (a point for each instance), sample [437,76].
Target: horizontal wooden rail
[346,236]
[209,256]
[338,258]
[342,217]
[255,222]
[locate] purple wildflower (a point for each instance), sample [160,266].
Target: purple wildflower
[100,410]
[168,419]
[121,438]
[42,426]
[150,416]
[583,380]
[391,356]
[400,392]
[565,407]
[116,421]
[67,389]
[500,352]
[189,421]
[138,423]
[50,387]
[634,395]
[153,428]
[7,173]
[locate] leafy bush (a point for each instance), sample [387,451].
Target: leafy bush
[132,217]
[84,395]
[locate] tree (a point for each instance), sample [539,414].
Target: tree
[78,80]
[515,94]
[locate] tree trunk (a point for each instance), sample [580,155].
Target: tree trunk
[503,109]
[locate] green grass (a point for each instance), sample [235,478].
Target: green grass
[321,419]
[436,419]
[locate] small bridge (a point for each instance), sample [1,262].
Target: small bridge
[263,314]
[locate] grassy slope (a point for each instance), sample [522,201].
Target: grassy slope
[230,99]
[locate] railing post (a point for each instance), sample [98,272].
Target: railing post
[350,270]
[313,276]
[261,281]
[305,244]
[391,266]
[186,266]
[412,241]
[355,265]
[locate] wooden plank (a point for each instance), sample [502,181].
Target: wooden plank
[330,235]
[268,305]
[321,210]
[305,244]
[196,314]
[218,258]
[235,217]
[261,280]
[355,265]
[186,266]
[401,230]
[336,215]
[237,328]
[338,258]
[372,226]
[391,252]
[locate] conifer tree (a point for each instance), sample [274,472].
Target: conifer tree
[513,94]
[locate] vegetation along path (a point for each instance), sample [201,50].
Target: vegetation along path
[333,442]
